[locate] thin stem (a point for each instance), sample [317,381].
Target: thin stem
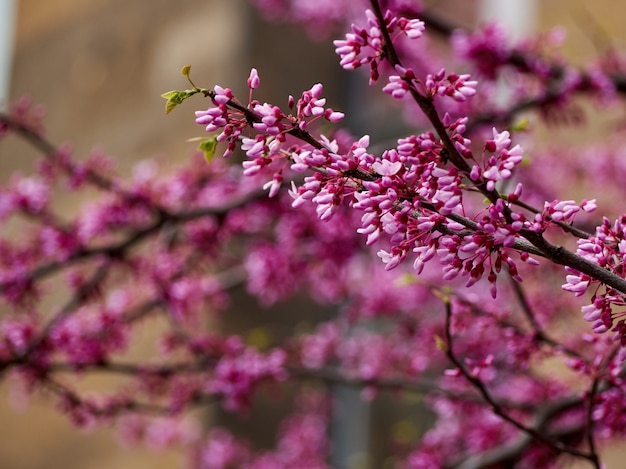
[475,381]
[83,293]
[48,150]
[582,234]
[117,250]
[76,402]
[539,332]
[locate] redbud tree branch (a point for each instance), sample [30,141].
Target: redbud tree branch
[556,254]
[473,378]
[536,244]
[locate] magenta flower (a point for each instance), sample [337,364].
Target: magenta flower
[253,80]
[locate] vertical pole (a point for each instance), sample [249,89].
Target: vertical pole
[350,428]
[7,32]
[517,16]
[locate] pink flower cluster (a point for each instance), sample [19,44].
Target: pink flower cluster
[498,166]
[458,87]
[486,48]
[607,248]
[365,45]
[238,372]
[406,193]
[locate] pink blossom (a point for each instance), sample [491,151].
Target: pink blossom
[317,348]
[221,450]
[458,87]
[499,166]
[30,194]
[253,80]
[397,87]
[487,48]
[412,28]
[364,45]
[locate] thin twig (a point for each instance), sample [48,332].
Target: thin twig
[477,383]
[539,332]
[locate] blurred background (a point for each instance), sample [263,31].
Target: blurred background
[100,67]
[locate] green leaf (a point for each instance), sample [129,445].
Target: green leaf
[407,279]
[208,146]
[185,71]
[174,98]
[405,432]
[441,344]
[520,125]
[443,293]
[260,337]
